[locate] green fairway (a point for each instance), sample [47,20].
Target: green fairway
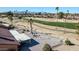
[59,24]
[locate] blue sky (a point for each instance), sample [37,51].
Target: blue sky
[40,9]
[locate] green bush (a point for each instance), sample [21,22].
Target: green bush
[68,42]
[47,47]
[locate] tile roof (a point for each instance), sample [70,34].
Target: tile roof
[6,37]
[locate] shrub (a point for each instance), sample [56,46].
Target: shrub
[28,30]
[23,30]
[47,47]
[11,27]
[68,42]
[20,17]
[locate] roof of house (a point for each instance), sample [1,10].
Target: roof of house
[6,37]
[19,37]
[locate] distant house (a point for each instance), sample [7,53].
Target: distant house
[7,40]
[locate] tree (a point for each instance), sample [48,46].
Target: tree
[39,13]
[30,22]
[68,11]
[67,14]
[60,15]
[68,42]
[9,13]
[10,16]
[47,47]
[57,9]
[31,28]
[26,12]
[19,17]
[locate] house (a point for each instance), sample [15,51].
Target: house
[7,40]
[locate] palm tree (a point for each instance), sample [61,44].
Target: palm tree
[68,11]
[30,21]
[57,9]
[67,14]
[31,28]
[10,16]
[26,12]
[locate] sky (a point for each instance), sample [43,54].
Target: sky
[41,9]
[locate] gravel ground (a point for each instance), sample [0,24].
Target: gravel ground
[38,42]
[72,37]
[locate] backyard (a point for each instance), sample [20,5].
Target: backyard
[47,29]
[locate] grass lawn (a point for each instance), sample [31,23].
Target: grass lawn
[58,24]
